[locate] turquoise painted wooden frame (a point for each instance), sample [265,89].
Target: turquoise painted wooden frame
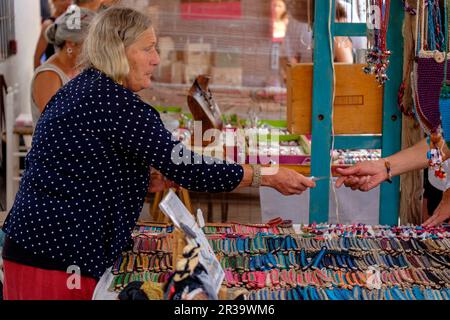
[389,141]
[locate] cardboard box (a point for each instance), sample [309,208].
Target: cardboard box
[167,52]
[198,54]
[177,72]
[152,11]
[227,60]
[227,76]
[192,71]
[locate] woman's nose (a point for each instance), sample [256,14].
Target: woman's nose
[155,58]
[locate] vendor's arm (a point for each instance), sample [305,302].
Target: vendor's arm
[369,174]
[446,152]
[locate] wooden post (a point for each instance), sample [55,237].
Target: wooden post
[411,184]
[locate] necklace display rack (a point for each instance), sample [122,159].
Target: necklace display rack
[281,261]
[429,79]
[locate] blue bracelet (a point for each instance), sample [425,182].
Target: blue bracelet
[295,295]
[418,293]
[330,294]
[303,258]
[356,291]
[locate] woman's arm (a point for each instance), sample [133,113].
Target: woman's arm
[42,44]
[285,181]
[412,158]
[45,86]
[446,152]
[140,132]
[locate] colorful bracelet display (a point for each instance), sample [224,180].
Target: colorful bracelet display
[357,293]
[354,156]
[334,262]
[279,260]
[148,259]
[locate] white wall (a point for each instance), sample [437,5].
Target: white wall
[19,68]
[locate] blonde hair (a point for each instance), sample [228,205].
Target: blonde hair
[110,34]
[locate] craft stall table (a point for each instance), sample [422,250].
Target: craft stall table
[281,261]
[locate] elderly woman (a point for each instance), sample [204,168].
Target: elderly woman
[61,67]
[87,172]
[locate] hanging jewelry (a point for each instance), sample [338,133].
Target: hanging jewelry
[377,53]
[434,156]
[444,99]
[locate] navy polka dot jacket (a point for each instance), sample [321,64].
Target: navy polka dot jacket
[88,171]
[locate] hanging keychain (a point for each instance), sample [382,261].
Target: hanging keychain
[434,156]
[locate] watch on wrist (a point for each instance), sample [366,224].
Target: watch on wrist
[256,179]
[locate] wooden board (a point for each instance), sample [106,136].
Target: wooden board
[358,103]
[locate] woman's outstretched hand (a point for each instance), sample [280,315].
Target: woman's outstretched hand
[363,176]
[287,181]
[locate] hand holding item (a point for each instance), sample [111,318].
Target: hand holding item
[287,181]
[160,183]
[364,176]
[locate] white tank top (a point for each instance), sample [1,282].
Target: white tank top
[35,113]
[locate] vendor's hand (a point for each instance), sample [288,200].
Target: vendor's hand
[159,183]
[288,182]
[364,176]
[442,212]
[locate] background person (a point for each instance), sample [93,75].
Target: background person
[61,67]
[43,47]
